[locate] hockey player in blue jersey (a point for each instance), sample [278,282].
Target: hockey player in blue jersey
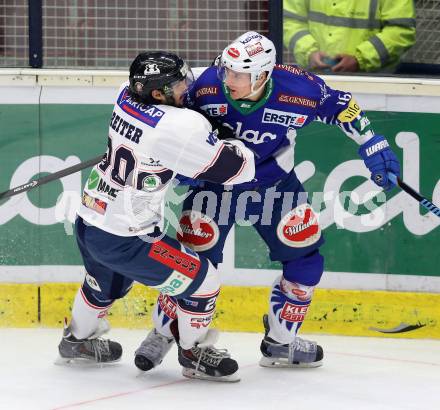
[265,105]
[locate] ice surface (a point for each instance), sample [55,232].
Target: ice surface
[358,373]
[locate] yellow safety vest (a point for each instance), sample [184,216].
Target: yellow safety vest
[376,32]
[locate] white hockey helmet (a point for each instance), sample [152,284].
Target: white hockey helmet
[250,53]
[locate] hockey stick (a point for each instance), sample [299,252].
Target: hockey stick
[423,201]
[52,177]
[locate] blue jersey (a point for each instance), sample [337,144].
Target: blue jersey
[293,98]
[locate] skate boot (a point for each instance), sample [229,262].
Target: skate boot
[152,350]
[93,349]
[300,353]
[205,362]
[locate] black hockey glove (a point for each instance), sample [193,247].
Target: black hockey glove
[223,132]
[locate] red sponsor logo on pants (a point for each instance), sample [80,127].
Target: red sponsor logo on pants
[198,231]
[175,259]
[294,313]
[299,227]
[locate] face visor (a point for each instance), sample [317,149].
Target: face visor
[183,84]
[238,78]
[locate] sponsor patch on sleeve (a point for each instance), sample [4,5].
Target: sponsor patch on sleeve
[350,113]
[148,114]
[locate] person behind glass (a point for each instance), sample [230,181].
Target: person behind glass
[349,35]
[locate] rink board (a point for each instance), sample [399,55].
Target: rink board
[339,312]
[55,119]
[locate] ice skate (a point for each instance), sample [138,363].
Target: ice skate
[300,353]
[152,350]
[87,351]
[206,362]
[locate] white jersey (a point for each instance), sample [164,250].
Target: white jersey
[147,146]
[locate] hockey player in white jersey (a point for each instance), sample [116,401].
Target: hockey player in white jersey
[119,228]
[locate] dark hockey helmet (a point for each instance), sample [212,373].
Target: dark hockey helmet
[157,70]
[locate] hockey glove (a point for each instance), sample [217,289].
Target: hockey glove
[223,132]
[380,159]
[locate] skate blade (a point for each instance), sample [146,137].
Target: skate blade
[193,374]
[283,363]
[81,362]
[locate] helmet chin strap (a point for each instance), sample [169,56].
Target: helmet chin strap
[254,92]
